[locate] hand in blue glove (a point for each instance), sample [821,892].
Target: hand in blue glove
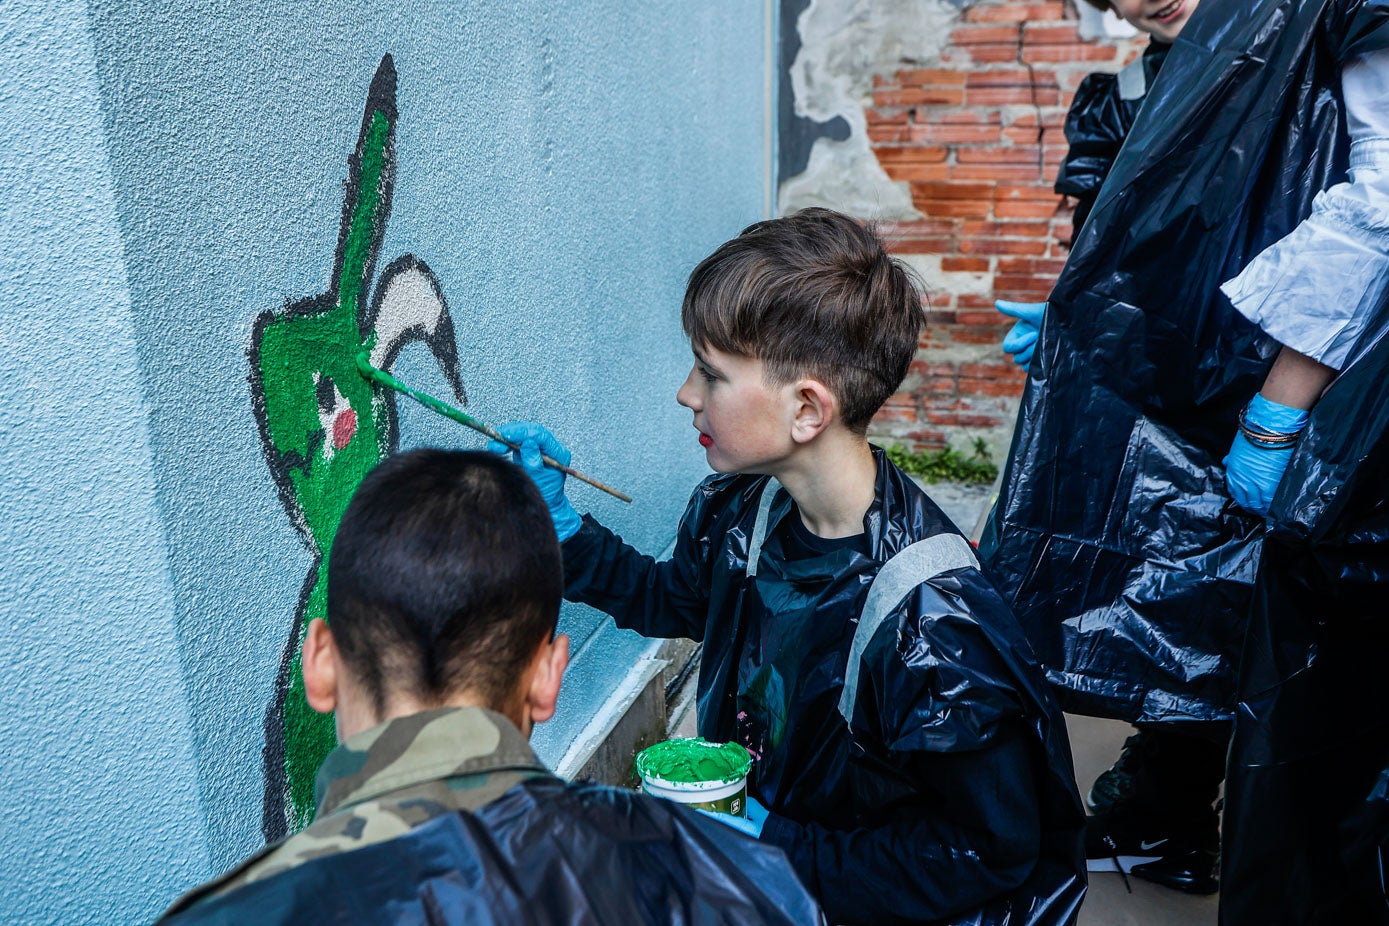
[534,440]
[1021,340]
[1252,471]
[751,824]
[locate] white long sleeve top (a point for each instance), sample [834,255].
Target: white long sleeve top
[1316,289]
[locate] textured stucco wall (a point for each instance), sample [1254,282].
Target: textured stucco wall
[97,758]
[170,173]
[843,44]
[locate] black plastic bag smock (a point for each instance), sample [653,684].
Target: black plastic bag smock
[1306,826]
[1114,537]
[545,852]
[1101,116]
[949,797]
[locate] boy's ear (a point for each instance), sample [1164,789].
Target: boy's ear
[547,672]
[320,667]
[815,408]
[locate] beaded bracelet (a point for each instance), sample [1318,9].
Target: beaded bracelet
[1263,438]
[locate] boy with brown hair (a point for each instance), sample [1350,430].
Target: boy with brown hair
[908,757]
[443,591]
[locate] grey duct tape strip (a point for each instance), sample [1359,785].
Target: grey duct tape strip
[759,527]
[1133,81]
[923,560]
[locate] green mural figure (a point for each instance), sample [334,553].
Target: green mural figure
[323,426]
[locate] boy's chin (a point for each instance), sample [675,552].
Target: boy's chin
[726,468]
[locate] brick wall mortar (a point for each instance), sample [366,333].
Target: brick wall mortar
[977,137]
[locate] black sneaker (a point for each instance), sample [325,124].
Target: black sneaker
[1184,859]
[1115,783]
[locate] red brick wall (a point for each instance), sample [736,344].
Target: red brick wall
[978,138]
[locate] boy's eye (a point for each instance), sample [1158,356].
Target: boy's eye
[704,371]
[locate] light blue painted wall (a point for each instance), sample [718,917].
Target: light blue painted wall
[168,173]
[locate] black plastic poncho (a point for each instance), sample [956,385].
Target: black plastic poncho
[1132,572]
[948,796]
[545,852]
[1114,537]
[1101,115]
[1306,827]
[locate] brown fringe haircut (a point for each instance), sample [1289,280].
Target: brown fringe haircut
[812,294]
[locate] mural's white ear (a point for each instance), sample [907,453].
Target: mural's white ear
[409,306]
[407,301]
[320,666]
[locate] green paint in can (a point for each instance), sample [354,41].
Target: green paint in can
[697,773]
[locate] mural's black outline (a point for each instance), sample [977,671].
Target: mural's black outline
[443,343]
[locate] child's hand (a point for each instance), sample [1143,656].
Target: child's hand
[535,440]
[1021,340]
[751,824]
[1261,451]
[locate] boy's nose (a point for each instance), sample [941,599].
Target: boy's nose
[687,395]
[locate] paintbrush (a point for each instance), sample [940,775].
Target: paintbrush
[381,377]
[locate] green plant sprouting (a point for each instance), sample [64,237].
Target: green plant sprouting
[946,464]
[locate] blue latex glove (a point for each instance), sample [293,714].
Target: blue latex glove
[751,824]
[1252,473]
[535,440]
[1021,340]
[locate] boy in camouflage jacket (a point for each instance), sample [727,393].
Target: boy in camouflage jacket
[444,586]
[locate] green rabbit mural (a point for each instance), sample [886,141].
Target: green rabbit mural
[323,427]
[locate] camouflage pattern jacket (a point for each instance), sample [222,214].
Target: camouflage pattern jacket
[383,782]
[448,817]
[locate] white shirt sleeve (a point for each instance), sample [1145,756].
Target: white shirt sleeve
[1317,289]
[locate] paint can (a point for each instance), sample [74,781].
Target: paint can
[697,773]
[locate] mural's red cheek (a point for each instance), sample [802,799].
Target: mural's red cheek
[344,426]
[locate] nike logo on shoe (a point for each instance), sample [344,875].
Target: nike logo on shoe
[1145,845]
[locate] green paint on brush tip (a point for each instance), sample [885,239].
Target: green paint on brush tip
[692,760]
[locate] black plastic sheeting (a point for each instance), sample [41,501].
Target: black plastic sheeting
[1306,828]
[542,853]
[1132,572]
[1127,563]
[956,752]
[1099,120]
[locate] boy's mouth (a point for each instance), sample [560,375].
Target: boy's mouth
[1170,12]
[705,440]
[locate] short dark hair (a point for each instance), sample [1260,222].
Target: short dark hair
[1103,6]
[445,575]
[812,294]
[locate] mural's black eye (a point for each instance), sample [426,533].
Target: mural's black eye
[325,394]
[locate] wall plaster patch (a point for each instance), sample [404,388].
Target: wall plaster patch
[843,44]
